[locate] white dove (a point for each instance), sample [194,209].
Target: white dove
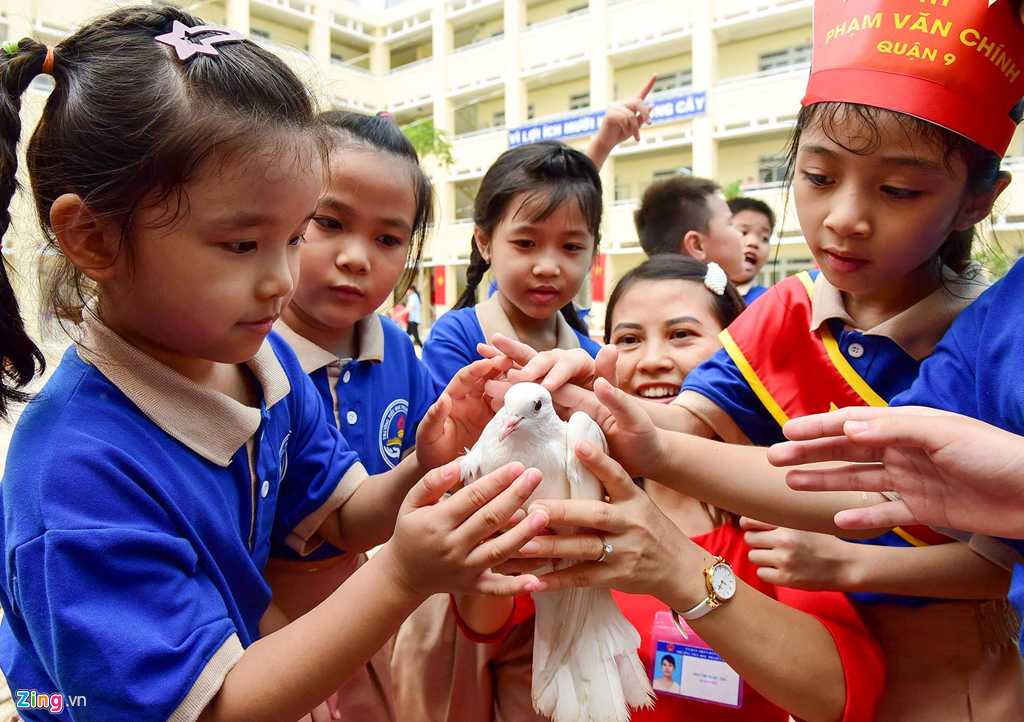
[585,662]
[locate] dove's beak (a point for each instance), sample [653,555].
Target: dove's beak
[511,422]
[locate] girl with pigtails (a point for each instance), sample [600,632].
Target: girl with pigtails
[537,217]
[180,437]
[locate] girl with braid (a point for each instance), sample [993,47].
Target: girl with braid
[179,436]
[536,216]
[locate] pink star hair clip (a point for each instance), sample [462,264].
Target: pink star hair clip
[180,38]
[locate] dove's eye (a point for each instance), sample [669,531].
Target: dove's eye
[536,406]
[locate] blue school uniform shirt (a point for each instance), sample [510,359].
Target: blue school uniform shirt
[976,371]
[376,400]
[753,293]
[888,357]
[135,529]
[455,335]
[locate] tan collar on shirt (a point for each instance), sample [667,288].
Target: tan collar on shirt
[493,319]
[369,335]
[917,329]
[210,423]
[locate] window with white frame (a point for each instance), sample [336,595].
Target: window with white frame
[772,168]
[579,101]
[784,58]
[672,81]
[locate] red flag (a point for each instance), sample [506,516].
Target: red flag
[597,278]
[439,289]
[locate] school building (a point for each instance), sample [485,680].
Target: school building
[494,72]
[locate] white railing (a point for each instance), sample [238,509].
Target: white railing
[295,7]
[479,43]
[410,66]
[479,132]
[461,7]
[727,11]
[350,26]
[347,65]
[1012,163]
[555,21]
[798,68]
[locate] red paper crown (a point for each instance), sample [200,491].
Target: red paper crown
[955,63]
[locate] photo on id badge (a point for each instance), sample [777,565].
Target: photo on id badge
[689,667]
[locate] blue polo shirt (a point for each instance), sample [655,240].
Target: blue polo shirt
[976,371]
[455,335]
[753,293]
[377,399]
[888,357]
[137,515]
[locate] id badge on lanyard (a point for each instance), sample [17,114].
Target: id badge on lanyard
[689,668]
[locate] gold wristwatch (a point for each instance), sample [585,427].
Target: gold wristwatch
[721,584]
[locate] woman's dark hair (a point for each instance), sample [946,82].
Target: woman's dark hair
[834,118]
[381,133]
[677,267]
[128,124]
[668,658]
[549,169]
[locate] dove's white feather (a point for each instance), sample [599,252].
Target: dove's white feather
[585,662]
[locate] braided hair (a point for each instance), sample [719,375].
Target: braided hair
[549,169]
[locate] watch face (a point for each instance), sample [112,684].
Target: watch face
[723,581]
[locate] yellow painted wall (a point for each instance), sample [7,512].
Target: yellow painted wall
[281,33]
[349,53]
[633,173]
[738,159]
[740,58]
[480,31]
[411,53]
[555,98]
[628,80]
[547,11]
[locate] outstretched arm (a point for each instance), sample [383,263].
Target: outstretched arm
[819,562]
[949,470]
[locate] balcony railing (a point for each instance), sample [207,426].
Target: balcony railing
[479,43]
[410,66]
[763,74]
[555,21]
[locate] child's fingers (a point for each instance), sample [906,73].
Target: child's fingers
[429,490]
[538,367]
[488,351]
[496,389]
[520,566]
[627,413]
[605,363]
[582,547]
[853,477]
[572,365]
[748,524]
[609,472]
[572,398]
[480,512]
[500,548]
[517,517]
[880,516]
[764,557]
[817,426]
[645,113]
[588,513]
[646,87]
[760,539]
[516,350]
[499,585]
[829,448]
[587,574]
[432,424]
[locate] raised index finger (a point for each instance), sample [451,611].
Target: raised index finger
[646,88]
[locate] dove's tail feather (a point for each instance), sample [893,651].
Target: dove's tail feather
[586,667]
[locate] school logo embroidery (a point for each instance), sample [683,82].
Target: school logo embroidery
[282,457]
[392,431]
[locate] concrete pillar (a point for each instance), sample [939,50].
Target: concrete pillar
[705,64]
[236,15]
[515,89]
[320,33]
